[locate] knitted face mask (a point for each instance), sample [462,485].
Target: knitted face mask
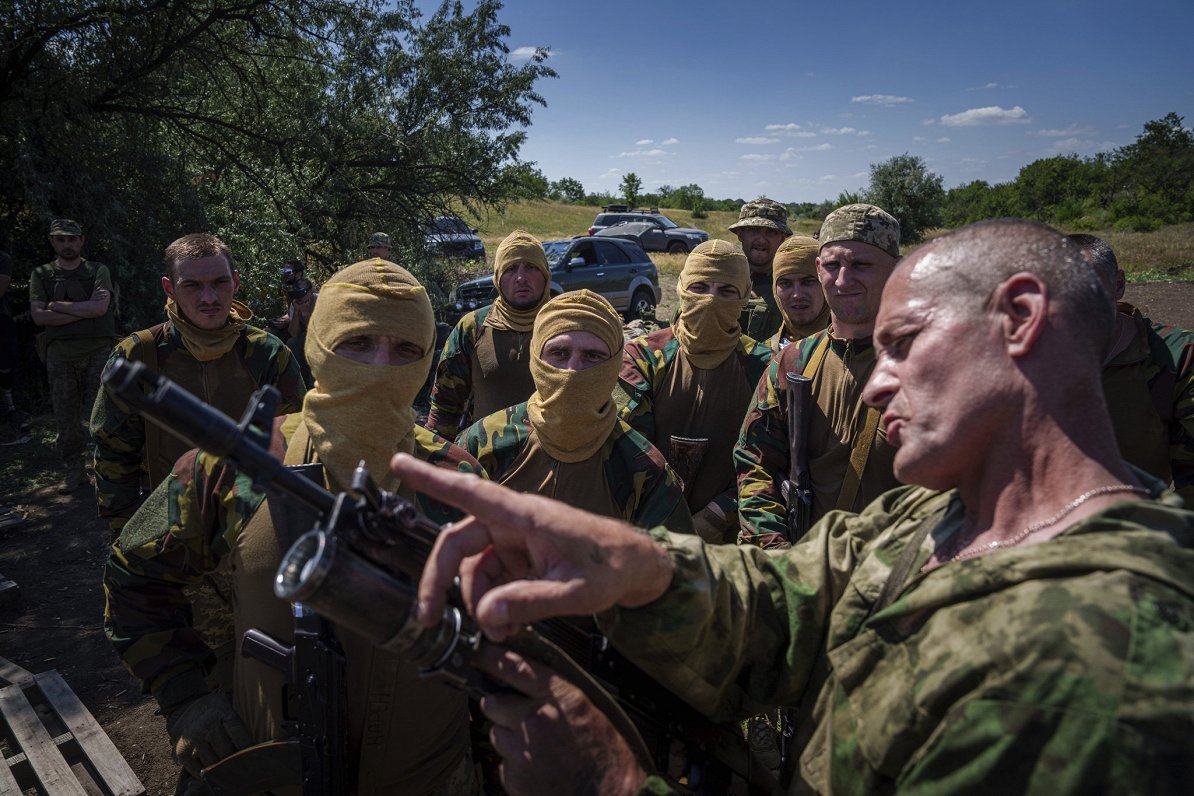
[359,411]
[518,247]
[707,329]
[572,411]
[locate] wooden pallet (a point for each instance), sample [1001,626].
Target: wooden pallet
[52,743]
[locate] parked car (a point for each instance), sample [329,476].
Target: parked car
[449,236]
[654,237]
[667,235]
[618,269]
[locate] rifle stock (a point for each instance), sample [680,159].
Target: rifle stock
[368,548]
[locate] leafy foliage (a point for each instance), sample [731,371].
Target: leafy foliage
[903,186]
[289,127]
[630,187]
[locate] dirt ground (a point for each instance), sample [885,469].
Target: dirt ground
[56,558]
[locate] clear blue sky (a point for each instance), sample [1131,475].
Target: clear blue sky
[795,100]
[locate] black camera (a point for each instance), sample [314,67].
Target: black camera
[296,288]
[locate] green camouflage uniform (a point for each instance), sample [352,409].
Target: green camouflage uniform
[646,363]
[1150,395]
[75,353]
[1060,667]
[452,397]
[191,523]
[639,481]
[119,431]
[761,456]
[761,317]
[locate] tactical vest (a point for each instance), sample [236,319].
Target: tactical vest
[225,383]
[74,285]
[407,732]
[501,365]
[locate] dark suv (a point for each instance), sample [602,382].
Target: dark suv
[451,237]
[650,229]
[617,269]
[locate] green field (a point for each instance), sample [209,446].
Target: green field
[1167,253]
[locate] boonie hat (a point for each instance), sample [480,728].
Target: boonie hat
[379,239]
[865,224]
[64,226]
[763,212]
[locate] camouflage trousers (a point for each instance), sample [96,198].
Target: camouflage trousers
[73,386]
[211,616]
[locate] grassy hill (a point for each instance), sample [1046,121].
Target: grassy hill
[1165,254]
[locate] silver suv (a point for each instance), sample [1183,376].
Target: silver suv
[649,228]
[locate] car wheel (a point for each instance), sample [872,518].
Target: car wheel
[641,303]
[676,247]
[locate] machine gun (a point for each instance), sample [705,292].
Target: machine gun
[797,490]
[368,547]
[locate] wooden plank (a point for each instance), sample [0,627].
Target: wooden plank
[11,673]
[105,759]
[8,783]
[49,766]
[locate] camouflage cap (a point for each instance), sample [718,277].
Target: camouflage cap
[64,226]
[763,212]
[865,224]
[379,239]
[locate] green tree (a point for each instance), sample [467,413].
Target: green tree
[903,186]
[567,190]
[289,127]
[1161,163]
[630,187]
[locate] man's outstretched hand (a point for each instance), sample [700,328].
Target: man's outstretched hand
[522,558]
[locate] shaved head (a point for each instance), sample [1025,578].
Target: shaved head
[961,271]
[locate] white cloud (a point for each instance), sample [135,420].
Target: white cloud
[757,158]
[992,114]
[756,140]
[669,141]
[827,178]
[1070,144]
[986,86]
[526,53]
[815,148]
[1072,130]
[790,154]
[919,138]
[944,140]
[787,128]
[644,141]
[838,131]
[886,100]
[641,153]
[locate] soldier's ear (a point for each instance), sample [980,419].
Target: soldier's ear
[168,286]
[1022,303]
[235,281]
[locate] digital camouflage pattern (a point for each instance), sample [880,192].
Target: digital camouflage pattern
[639,480]
[1149,388]
[183,531]
[761,457]
[452,395]
[862,223]
[763,212]
[645,361]
[1059,667]
[119,431]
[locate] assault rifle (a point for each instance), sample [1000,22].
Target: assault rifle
[797,490]
[368,547]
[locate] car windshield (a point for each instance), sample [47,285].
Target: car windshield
[556,249]
[666,222]
[448,226]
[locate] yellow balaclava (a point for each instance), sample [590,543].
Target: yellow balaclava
[518,246]
[358,411]
[208,344]
[797,257]
[707,328]
[572,411]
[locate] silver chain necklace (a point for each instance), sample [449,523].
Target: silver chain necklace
[1045,523]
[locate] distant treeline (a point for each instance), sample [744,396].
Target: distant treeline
[1140,187]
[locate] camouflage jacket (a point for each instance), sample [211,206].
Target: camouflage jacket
[761,317]
[640,482]
[452,396]
[121,465]
[645,362]
[1150,394]
[182,531]
[1059,667]
[837,419]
